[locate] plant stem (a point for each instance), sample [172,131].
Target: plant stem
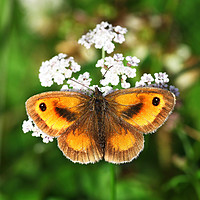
[186,145]
[103,53]
[113,182]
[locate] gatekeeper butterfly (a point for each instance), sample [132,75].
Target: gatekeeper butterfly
[96,127]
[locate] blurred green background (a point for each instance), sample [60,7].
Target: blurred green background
[164,35]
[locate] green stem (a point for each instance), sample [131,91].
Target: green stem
[186,145]
[113,182]
[103,53]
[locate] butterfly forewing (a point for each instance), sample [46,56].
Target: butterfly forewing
[146,109]
[54,112]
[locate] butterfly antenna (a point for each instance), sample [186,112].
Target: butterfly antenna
[81,84]
[107,71]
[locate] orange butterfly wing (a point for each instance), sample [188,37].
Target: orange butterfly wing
[64,115]
[144,108]
[132,112]
[123,142]
[80,143]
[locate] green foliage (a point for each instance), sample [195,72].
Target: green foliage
[168,167]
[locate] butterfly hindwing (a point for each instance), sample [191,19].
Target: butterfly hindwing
[123,142]
[80,142]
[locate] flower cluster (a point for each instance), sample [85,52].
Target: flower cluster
[161,80]
[103,36]
[113,67]
[29,125]
[57,70]
[114,70]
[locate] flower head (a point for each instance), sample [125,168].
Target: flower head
[103,36]
[29,125]
[161,81]
[57,70]
[112,68]
[161,78]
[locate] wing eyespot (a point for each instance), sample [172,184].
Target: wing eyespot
[42,107]
[156,101]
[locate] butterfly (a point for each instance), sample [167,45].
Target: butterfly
[96,127]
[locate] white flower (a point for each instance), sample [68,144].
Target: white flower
[147,78]
[112,68]
[114,79]
[46,138]
[62,55]
[104,82]
[100,63]
[109,61]
[130,72]
[75,67]
[103,36]
[109,47]
[57,70]
[120,30]
[161,78]
[161,81]
[37,133]
[59,78]
[140,83]
[119,38]
[124,84]
[27,126]
[106,90]
[104,70]
[132,61]
[124,77]
[68,73]
[118,56]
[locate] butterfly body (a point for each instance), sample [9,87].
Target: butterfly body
[98,108]
[111,127]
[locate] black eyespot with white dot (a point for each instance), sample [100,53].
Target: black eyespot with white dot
[43,107]
[156,101]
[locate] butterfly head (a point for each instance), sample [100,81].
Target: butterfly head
[97,93]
